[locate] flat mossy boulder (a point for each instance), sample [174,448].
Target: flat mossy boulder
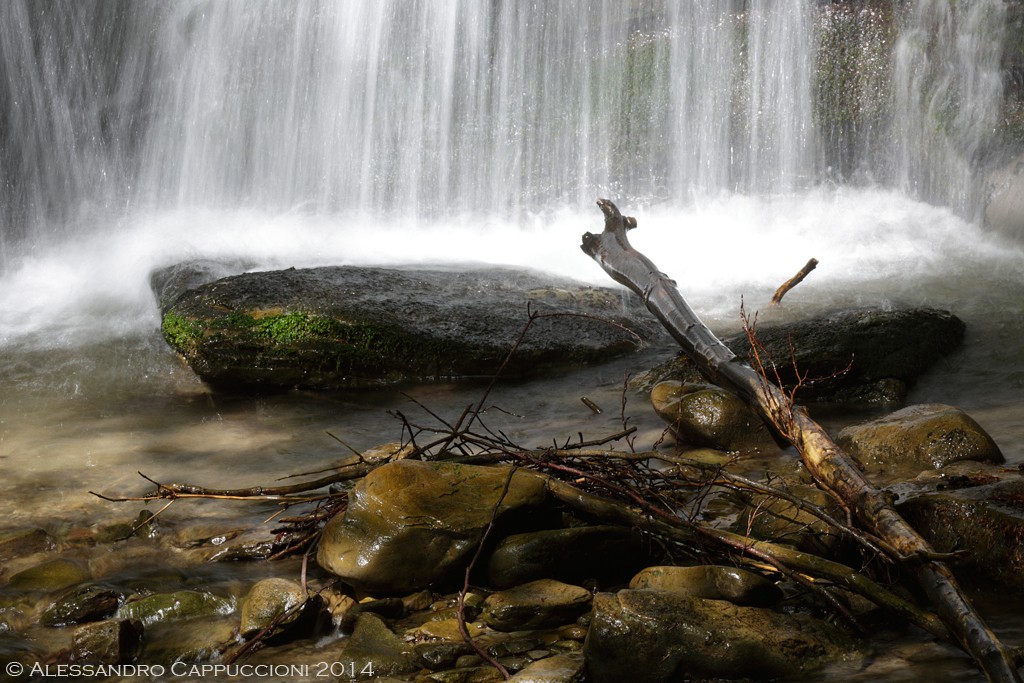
[339,327]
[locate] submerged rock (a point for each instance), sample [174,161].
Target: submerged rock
[666,636]
[117,641]
[176,606]
[410,524]
[337,327]
[51,575]
[783,521]
[917,438]
[23,541]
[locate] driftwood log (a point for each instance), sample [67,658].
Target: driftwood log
[831,468]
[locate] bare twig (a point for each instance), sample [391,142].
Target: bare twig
[461,613]
[794,281]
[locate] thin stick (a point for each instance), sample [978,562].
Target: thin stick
[465,584]
[794,281]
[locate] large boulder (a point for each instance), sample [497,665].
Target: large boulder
[985,522]
[668,635]
[410,524]
[337,327]
[918,438]
[867,355]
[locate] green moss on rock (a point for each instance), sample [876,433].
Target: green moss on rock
[180,331]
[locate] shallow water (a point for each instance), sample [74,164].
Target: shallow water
[90,395]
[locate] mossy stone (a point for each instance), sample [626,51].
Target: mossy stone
[51,575]
[176,606]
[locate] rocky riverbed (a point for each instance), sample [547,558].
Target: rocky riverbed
[561,586]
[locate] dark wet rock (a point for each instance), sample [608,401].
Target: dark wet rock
[143,526]
[176,606]
[853,356]
[572,632]
[389,608]
[410,524]
[574,554]
[88,603]
[117,641]
[705,415]
[168,284]
[374,647]
[341,327]
[986,521]
[271,603]
[711,582]
[776,519]
[864,355]
[438,655]
[518,643]
[51,575]
[666,635]
[420,600]
[917,438]
[23,541]
[540,603]
[563,668]
[249,546]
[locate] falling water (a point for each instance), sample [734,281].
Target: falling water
[949,92]
[431,109]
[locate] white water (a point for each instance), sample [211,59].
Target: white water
[95,287]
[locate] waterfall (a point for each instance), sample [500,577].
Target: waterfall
[949,94]
[431,109]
